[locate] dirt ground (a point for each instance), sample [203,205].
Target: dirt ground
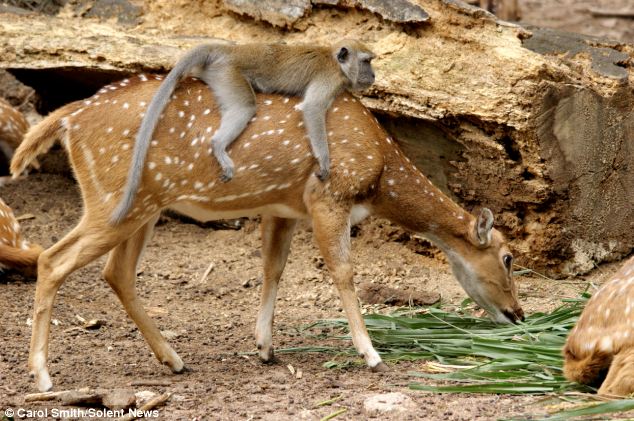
[211,321]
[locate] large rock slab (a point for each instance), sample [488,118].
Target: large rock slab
[535,124]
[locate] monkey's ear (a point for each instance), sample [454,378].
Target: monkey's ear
[342,55]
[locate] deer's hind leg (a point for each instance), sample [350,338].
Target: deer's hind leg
[85,243]
[276,243]
[120,273]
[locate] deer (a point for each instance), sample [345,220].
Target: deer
[600,348]
[13,125]
[15,251]
[274,178]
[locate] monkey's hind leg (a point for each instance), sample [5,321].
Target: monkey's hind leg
[236,99]
[317,100]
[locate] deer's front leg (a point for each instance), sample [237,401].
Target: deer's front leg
[276,244]
[331,227]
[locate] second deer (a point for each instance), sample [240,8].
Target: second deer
[274,178]
[15,251]
[600,349]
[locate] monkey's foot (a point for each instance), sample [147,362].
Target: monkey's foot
[323,174]
[227,175]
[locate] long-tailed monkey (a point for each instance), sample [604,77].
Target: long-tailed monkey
[233,72]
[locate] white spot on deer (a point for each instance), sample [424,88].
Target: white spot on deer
[208,129]
[295,161]
[270,132]
[300,124]
[267,102]
[344,141]
[194,141]
[192,117]
[388,140]
[242,168]
[286,142]
[168,160]
[154,143]
[115,159]
[606,344]
[268,157]
[266,118]
[125,146]
[246,145]
[346,117]
[370,157]
[297,146]
[182,135]
[190,167]
[285,101]
[142,77]
[183,182]
[186,103]
[253,166]
[198,185]
[126,105]
[278,169]
[126,132]
[390,182]
[181,113]
[189,125]
[158,176]
[197,155]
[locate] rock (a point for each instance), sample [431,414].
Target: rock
[119,399]
[371,293]
[277,12]
[387,404]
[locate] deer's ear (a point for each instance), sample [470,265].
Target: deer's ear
[483,227]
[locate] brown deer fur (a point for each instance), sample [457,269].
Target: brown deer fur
[274,177]
[15,251]
[600,348]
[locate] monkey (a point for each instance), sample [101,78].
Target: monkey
[234,72]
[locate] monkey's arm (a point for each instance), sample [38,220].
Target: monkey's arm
[317,99]
[197,57]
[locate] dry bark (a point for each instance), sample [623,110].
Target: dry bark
[535,124]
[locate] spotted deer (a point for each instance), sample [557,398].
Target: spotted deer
[15,251]
[274,178]
[13,125]
[600,348]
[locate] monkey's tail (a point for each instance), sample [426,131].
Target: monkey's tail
[39,139]
[198,56]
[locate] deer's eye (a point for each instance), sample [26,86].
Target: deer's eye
[507,259]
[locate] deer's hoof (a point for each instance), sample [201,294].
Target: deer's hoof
[380,368]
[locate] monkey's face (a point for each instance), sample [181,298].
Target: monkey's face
[355,61]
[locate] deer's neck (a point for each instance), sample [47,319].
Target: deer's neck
[408,198]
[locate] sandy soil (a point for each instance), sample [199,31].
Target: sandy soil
[211,321]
